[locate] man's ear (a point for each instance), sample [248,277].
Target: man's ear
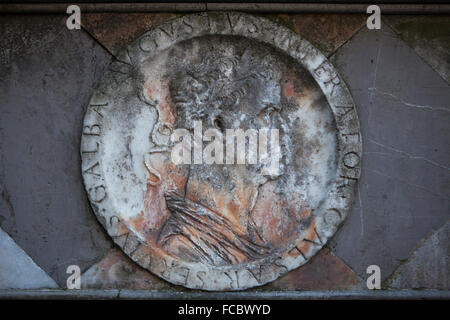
[153,175]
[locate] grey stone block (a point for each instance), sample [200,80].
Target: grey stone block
[429,36]
[427,266]
[18,270]
[404,112]
[45,88]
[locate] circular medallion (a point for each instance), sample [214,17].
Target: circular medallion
[220,151]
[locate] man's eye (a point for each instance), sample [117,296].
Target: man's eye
[218,123]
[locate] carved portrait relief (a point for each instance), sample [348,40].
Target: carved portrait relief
[223,151]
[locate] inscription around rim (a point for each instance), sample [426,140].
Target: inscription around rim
[100,172]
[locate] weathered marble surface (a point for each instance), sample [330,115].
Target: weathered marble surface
[220,227]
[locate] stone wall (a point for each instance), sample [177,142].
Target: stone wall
[398,76]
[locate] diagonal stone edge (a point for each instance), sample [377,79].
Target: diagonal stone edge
[387,283]
[20,271]
[329,55]
[98,41]
[390,23]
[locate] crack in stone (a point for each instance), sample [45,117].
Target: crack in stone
[7,199]
[408,104]
[410,156]
[361,212]
[409,184]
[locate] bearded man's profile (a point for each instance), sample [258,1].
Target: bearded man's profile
[210,209]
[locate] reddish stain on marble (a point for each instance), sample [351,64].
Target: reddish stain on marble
[328,31]
[324,271]
[117,30]
[117,271]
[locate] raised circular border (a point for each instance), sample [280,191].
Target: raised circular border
[255,273]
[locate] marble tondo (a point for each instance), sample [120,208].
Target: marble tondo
[215,222]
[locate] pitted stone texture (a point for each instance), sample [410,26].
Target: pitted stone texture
[116,30]
[44,95]
[18,270]
[20,40]
[429,36]
[325,31]
[117,271]
[328,31]
[428,266]
[324,271]
[404,112]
